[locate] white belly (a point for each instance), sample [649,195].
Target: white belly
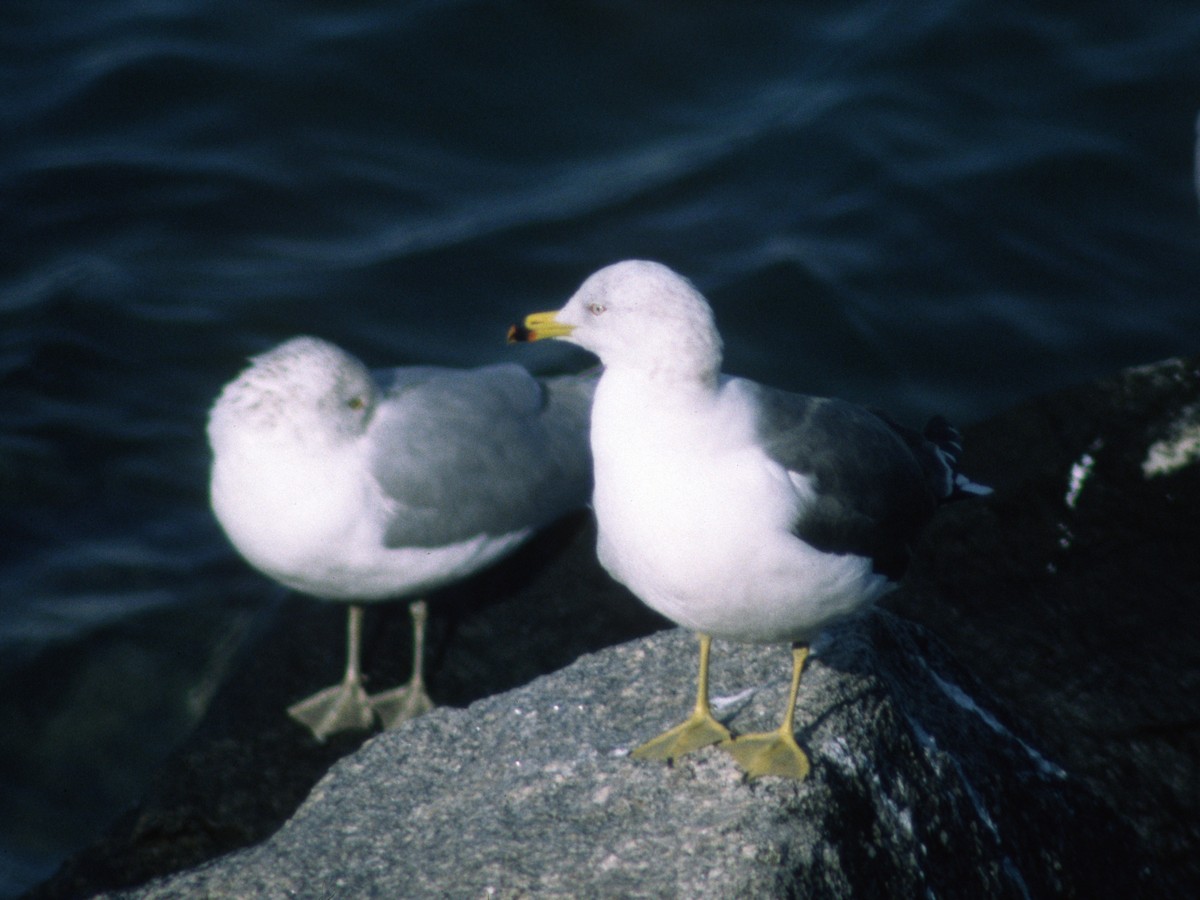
[698,527]
[323,535]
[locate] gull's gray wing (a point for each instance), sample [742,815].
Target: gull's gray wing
[874,481]
[479,451]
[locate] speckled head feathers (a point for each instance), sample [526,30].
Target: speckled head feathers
[305,388]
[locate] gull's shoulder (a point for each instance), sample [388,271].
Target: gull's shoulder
[463,452]
[503,388]
[804,432]
[867,488]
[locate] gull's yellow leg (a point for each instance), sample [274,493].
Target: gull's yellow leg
[344,706]
[700,730]
[409,700]
[775,752]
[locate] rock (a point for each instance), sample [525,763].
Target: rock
[918,789]
[1070,593]
[248,766]
[1073,592]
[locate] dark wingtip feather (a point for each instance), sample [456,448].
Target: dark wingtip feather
[947,442]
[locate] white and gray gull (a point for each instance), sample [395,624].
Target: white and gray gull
[737,510]
[358,487]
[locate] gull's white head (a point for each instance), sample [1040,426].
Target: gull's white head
[305,390]
[637,315]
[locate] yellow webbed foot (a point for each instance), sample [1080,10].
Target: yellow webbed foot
[401,704]
[701,730]
[775,752]
[769,753]
[343,707]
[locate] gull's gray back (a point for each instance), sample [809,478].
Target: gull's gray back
[873,488]
[482,451]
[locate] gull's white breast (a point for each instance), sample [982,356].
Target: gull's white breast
[315,521]
[695,518]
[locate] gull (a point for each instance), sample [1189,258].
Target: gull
[735,509]
[361,487]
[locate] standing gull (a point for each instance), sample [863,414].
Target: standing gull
[358,487]
[737,510]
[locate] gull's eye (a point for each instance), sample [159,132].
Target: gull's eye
[356,403]
[596,308]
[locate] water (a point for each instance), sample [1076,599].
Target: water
[929,206]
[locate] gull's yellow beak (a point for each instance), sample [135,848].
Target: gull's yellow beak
[538,326]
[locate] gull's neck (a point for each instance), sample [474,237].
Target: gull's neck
[635,410]
[663,382]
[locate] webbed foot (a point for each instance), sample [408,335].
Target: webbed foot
[401,704]
[700,730]
[343,707]
[769,753]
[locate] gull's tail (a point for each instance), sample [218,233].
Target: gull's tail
[948,447]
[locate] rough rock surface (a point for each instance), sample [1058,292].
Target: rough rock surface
[916,791]
[1074,592]
[248,766]
[1071,593]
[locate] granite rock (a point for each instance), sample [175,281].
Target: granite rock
[1074,592]
[247,767]
[1070,593]
[918,789]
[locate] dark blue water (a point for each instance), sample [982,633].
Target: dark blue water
[930,206]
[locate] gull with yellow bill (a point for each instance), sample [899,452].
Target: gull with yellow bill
[737,510]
